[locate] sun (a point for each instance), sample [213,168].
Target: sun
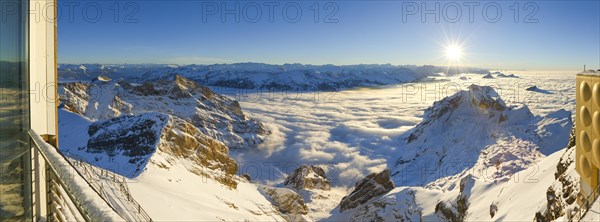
[453,52]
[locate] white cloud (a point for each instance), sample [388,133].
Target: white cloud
[360,131]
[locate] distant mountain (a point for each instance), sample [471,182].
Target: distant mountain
[215,115]
[264,76]
[85,72]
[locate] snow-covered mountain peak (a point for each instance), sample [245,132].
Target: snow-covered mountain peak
[100,79]
[486,97]
[217,116]
[479,105]
[475,131]
[266,76]
[308,177]
[475,100]
[127,144]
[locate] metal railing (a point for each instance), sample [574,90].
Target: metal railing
[63,189]
[133,208]
[59,203]
[585,206]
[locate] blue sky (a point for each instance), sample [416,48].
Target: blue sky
[558,34]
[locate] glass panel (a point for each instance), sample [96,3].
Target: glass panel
[15,185]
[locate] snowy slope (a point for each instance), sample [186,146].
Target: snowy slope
[178,195]
[165,158]
[515,199]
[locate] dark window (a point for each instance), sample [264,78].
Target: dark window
[15,176]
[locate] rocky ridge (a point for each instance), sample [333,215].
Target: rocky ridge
[373,185]
[308,177]
[215,115]
[487,134]
[126,144]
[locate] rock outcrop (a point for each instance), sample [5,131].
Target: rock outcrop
[562,195]
[183,141]
[488,76]
[457,210]
[288,202]
[502,75]
[374,185]
[308,177]
[133,137]
[126,144]
[216,116]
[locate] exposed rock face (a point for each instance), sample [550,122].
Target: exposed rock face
[572,141]
[131,142]
[133,137]
[457,210]
[374,185]
[215,115]
[288,202]
[562,195]
[76,97]
[183,141]
[308,177]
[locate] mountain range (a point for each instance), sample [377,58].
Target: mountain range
[472,157]
[264,76]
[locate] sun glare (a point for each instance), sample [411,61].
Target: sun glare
[453,52]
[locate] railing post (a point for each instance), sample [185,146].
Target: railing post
[49,198]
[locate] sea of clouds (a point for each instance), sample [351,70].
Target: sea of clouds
[352,133]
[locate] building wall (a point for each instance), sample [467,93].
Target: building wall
[42,58]
[588,131]
[43,91]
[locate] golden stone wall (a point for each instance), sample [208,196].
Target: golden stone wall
[587,126]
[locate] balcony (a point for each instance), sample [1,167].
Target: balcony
[66,189]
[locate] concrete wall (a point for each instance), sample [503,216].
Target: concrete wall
[42,66]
